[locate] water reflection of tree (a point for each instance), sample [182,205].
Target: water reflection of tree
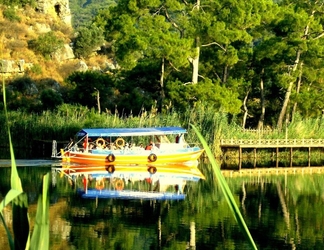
[120,220]
[288,207]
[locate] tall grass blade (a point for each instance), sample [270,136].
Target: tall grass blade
[15,180]
[10,196]
[40,236]
[226,190]
[20,220]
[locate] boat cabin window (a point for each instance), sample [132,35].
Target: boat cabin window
[86,143]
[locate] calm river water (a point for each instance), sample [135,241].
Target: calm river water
[283,211]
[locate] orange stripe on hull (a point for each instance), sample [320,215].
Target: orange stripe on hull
[88,158]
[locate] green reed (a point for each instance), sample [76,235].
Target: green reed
[226,190]
[17,198]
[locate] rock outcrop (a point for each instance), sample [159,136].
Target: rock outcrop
[56,7]
[11,66]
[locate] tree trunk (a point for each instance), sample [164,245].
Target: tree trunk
[288,93]
[162,94]
[195,61]
[287,96]
[195,64]
[297,91]
[245,109]
[261,119]
[98,101]
[225,74]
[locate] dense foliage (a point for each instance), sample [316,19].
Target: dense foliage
[87,41]
[258,61]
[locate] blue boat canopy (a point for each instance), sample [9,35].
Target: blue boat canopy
[101,132]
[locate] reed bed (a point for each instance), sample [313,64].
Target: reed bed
[64,122]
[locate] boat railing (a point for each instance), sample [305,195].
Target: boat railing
[156,147]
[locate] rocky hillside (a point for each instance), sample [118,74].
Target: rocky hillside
[17,58]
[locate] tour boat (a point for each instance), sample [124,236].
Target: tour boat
[154,182]
[156,145]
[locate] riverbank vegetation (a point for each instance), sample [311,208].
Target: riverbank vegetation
[62,123]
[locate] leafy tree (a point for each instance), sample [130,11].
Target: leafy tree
[211,93]
[290,56]
[139,88]
[50,99]
[141,31]
[22,94]
[211,36]
[23,85]
[87,41]
[91,89]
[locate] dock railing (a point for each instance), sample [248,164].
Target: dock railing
[273,142]
[277,144]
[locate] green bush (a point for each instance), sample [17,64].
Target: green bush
[11,15]
[36,69]
[22,94]
[46,44]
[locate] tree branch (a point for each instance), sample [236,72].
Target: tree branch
[171,64]
[319,36]
[214,43]
[172,22]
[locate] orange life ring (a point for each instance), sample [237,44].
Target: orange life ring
[152,157]
[110,169]
[100,142]
[100,184]
[152,170]
[119,185]
[120,142]
[111,158]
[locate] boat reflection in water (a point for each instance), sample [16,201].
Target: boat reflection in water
[150,182]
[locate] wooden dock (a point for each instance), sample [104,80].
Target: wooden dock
[271,144]
[261,172]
